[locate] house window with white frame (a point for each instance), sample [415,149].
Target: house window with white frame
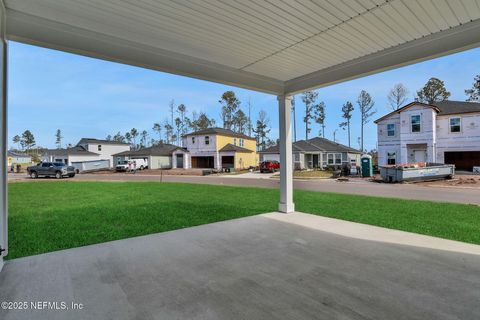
[207,140]
[416,123]
[455,125]
[234,141]
[193,140]
[391,158]
[391,130]
[242,142]
[296,157]
[330,159]
[338,158]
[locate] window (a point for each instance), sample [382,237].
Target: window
[338,158]
[234,141]
[193,140]
[455,124]
[391,129]
[241,142]
[330,158]
[207,140]
[296,157]
[416,126]
[99,147]
[391,157]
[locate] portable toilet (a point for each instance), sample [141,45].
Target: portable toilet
[367,165]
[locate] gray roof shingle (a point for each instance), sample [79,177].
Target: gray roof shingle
[159,150]
[221,131]
[316,144]
[234,148]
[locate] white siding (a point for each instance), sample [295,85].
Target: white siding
[388,144]
[107,150]
[199,145]
[468,139]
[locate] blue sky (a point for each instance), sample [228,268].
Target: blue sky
[84,97]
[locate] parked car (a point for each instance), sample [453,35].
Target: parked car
[132,165]
[51,169]
[269,166]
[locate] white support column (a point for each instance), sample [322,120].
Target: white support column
[3,138]
[286,162]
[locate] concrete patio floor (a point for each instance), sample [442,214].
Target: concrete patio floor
[270,266]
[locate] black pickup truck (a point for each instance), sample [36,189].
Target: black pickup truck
[51,169]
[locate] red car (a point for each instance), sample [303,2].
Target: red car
[269,166]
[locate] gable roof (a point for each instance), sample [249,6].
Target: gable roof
[234,148]
[17,154]
[316,144]
[443,108]
[164,149]
[97,141]
[220,131]
[77,150]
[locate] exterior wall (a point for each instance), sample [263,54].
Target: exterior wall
[80,158]
[468,139]
[160,162]
[107,150]
[244,160]
[222,141]
[405,141]
[18,160]
[198,147]
[435,136]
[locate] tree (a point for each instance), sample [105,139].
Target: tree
[249,125]
[347,111]
[168,131]
[309,98]
[397,96]
[182,112]
[319,115]
[134,134]
[28,140]
[365,106]
[433,91]
[201,122]
[171,107]
[230,104]
[128,138]
[473,94]
[261,130]
[143,138]
[16,139]
[178,126]
[240,122]
[157,127]
[58,139]
[118,137]
[108,137]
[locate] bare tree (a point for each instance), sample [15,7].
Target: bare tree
[309,98]
[320,114]
[365,106]
[397,96]
[261,131]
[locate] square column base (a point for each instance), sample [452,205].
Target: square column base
[286,207]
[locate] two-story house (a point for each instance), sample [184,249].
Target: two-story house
[216,148]
[87,149]
[442,132]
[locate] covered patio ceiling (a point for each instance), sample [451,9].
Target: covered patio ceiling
[278,47]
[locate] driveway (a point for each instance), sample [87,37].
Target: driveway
[262,267]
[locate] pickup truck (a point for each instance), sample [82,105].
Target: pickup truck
[51,169]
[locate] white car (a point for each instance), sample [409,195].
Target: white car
[132,165]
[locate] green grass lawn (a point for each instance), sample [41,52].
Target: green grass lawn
[49,216]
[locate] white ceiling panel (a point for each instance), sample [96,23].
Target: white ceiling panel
[276,46]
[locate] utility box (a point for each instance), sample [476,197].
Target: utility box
[367,165]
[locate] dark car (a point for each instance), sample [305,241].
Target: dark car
[269,166]
[51,169]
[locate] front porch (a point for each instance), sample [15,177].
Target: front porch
[238,269]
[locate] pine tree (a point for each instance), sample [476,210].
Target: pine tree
[347,111]
[433,91]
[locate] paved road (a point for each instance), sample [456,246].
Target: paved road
[250,268]
[405,191]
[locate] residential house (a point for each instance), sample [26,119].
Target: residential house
[14,158]
[316,153]
[442,132]
[219,148]
[157,157]
[86,150]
